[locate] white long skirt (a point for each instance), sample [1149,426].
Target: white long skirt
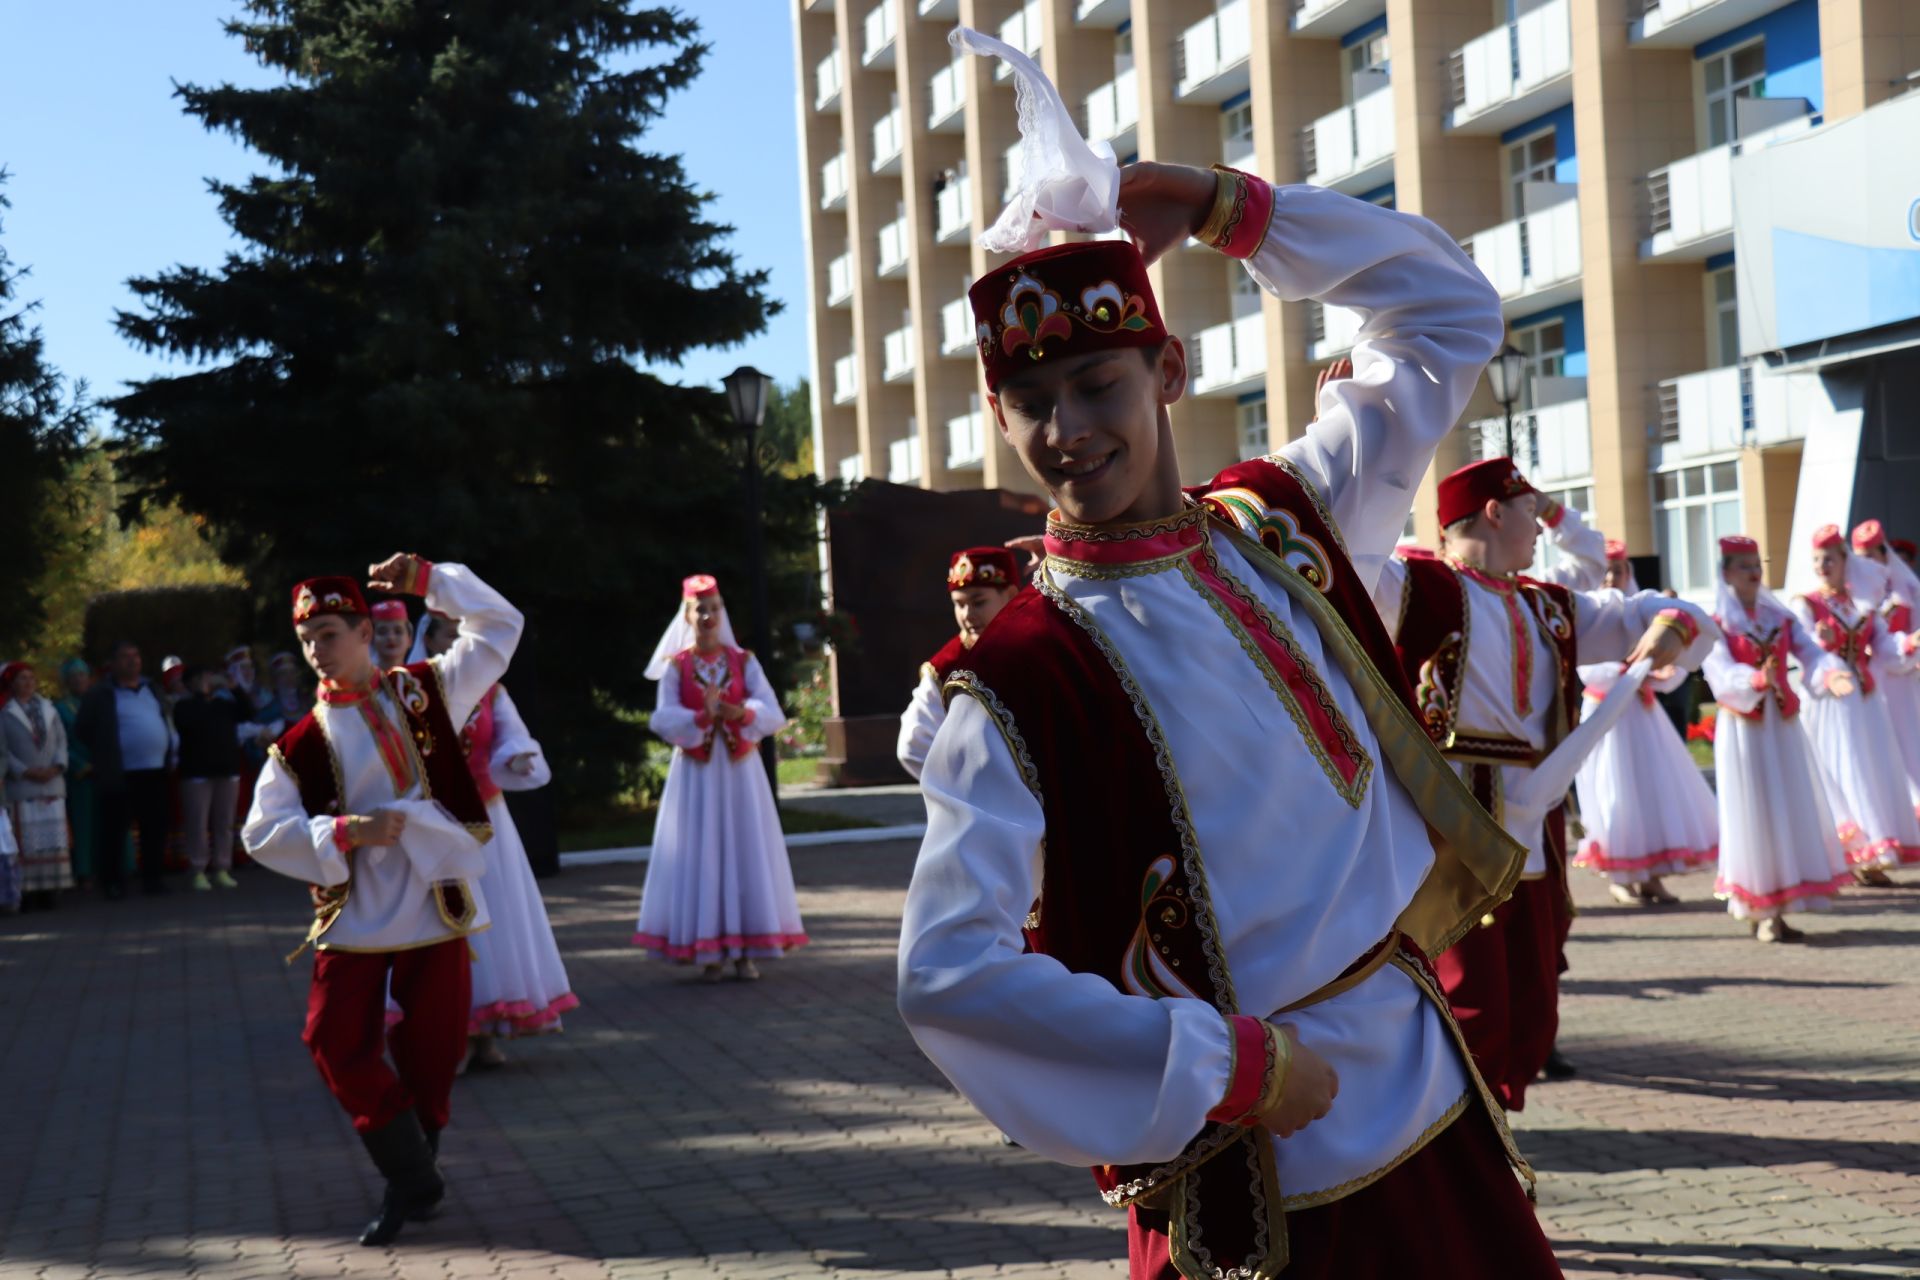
[1779,850]
[1646,809]
[519,981]
[719,886]
[1903,709]
[1866,781]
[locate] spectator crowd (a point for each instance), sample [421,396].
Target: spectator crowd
[108,772]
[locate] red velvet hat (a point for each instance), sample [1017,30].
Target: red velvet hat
[982,567]
[389,611]
[1616,549]
[1906,547]
[1067,300]
[700,584]
[1465,491]
[1738,544]
[318,597]
[1828,535]
[1867,535]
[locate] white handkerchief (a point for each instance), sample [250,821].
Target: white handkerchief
[1065,183]
[1528,800]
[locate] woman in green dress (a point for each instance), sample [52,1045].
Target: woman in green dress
[76,676]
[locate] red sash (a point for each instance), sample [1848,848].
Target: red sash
[1852,644]
[733,690]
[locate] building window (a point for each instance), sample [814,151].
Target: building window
[1370,54]
[1723,317]
[1694,508]
[1533,159]
[1577,496]
[1236,134]
[1727,77]
[1253,429]
[1545,346]
[1243,289]
[1122,52]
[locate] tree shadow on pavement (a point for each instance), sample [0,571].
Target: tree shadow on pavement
[1586,1150]
[1726,1262]
[1669,985]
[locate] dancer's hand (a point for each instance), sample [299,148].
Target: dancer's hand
[1163,204]
[382,826]
[1312,1085]
[1840,683]
[521,764]
[1033,546]
[1662,642]
[402,574]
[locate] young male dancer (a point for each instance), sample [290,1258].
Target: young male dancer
[1187,768]
[980,581]
[369,800]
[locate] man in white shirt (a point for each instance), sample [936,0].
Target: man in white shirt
[125,723]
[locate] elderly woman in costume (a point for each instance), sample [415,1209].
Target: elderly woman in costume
[520,985]
[719,886]
[1647,811]
[1779,851]
[1853,735]
[36,756]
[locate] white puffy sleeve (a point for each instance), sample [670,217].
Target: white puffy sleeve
[1583,551]
[680,725]
[511,741]
[1733,683]
[489,633]
[280,834]
[1609,623]
[925,713]
[766,717]
[1430,323]
[1068,1066]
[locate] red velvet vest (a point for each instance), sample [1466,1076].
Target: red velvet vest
[1123,891]
[1766,653]
[1853,645]
[437,759]
[477,741]
[733,690]
[949,656]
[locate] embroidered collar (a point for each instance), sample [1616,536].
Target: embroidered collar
[340,695]
[1485,577]
[1834,593]
[1110,544]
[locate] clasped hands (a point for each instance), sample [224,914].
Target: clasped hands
[722,710]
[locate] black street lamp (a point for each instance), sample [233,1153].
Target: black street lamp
[1505,375]
[747,390]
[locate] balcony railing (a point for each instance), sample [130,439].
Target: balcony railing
[1102,13]
[846,380]
[1113,110]
[896,364]
[826,82]
[840,280]
[833,181]
[1022,31]
[1532,256]
[1551,443]
[1325,19]
[956,329]
[1351,149]
[887,142]
[1684,23]
[853,469]
[953,210]
[903,458]
[966,440]
[1334,331]
[1708,412]
[882,30]
[893,247]
[940,8]
[1210,58]
[947,95]
[1230,357]
[1690,202]
[1513,73]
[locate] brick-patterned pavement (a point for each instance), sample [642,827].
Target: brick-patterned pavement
[1745,1110]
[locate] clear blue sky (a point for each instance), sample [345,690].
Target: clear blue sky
[109,177]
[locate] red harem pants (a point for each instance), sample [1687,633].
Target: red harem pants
[1453,1211]
[347,1029]
[1503,981]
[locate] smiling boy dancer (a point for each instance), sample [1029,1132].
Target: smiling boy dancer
[369,800]
[1187,765]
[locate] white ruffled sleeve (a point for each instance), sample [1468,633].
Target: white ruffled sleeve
[511,740]
[281,835]
[489,633]
[768,716]
[926,712]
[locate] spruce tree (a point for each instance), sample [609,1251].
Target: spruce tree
[433,333]
[43,422]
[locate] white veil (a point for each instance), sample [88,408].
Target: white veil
[678,637]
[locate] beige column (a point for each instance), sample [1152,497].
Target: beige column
[830,331]
[1452,179]
[1633,112]
[1867,50]
[1768,481]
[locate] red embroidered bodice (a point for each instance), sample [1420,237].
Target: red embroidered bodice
[1766,653]
[477,741]
[726,671]
[1851,642]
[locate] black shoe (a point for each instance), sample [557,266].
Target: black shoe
[414,1186]
[114,892]
[1558,1068]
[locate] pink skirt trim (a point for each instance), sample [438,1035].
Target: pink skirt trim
[1594,858]
[1723,888]
[1863,854]
[521,1017]
[727,942]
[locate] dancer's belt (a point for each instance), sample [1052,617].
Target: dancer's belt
[1492,748]
[1352,976]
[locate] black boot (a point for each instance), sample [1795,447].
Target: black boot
[431,1212]
[414,1185]
[1558,1068]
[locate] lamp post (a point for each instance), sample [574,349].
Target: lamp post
[1504,375]
[747,389]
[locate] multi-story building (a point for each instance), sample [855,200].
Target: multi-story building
[1581,151]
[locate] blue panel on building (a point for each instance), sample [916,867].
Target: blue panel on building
[1566,149]
[1823,288]
[1244,96]
[1362,31]
[1793,50]
[1573,327]
[1379,195]
[1719,260]
[1252,397]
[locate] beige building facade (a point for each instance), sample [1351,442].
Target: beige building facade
[1580,150]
